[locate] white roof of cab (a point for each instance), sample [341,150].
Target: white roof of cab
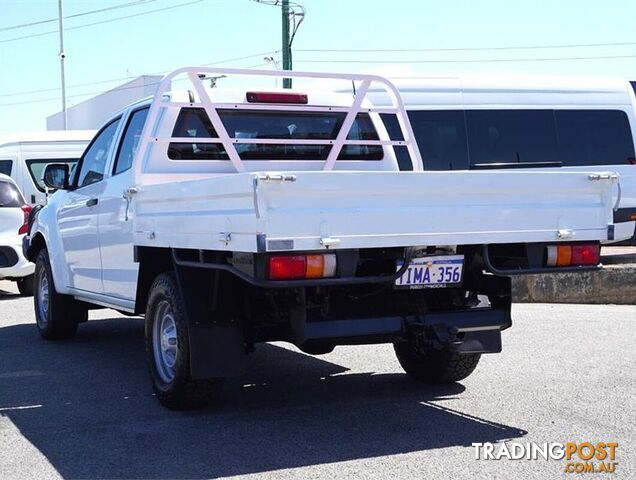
[48,136]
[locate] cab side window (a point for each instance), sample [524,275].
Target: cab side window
[96,157]
[129,144]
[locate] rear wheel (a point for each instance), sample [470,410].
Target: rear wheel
[56,315]
[168,350]
[435,366]
[26,286]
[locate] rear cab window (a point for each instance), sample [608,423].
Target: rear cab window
[10,196]
[283,125]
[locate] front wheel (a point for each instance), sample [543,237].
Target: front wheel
[435,366]
[56,315]
[168,350]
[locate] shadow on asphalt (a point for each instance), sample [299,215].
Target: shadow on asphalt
[92,412]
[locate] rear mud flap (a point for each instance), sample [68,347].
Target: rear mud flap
[217,347]
[216,351]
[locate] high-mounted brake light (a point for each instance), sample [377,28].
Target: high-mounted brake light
[295,267]
[26,210]
[276,97]
[573,255]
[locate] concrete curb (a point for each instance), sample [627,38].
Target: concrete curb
[615,283]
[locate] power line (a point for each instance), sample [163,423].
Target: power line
[490,60]
[101,82]
[50,99]
[466,49]
[148,12]
[90,12]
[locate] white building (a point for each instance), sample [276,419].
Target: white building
[92,113]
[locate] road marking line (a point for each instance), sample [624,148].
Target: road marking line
[21,407]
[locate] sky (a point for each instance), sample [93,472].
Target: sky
[406,37]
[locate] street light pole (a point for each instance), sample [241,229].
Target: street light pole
[62,58]
[273,61]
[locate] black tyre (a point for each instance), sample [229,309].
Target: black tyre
[435,366]
[56,315]
[168,352]
[26,286]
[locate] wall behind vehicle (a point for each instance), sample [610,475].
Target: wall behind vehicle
[94,112]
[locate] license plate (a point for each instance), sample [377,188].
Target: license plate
[432,272]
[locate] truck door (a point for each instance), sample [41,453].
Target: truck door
[78,218]
[119,270]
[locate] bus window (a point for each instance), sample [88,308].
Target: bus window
[509,137]
[440,136]
[594,137]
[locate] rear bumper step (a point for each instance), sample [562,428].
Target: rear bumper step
[468,331]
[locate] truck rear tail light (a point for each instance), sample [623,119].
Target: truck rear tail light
[564,256]
[586,254]
[573,255]
[295,267]
[276,97]
[26,210]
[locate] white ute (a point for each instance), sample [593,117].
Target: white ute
[233,217]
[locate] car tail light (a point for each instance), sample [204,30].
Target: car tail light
[276,97]
[572,255]
[26,210]
[295,267]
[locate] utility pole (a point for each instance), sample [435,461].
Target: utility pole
[287,54]
[62,57]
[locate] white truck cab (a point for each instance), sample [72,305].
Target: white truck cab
[23,157]
[233,217]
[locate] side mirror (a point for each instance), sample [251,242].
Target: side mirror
[56,176]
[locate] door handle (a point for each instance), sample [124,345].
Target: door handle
[92,202]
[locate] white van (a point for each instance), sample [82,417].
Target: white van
[502,122]
[23,157]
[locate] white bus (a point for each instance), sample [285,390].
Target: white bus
[502,122]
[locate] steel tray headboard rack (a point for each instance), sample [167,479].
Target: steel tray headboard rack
[162,102]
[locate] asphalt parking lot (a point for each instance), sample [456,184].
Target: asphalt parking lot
[84,408]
